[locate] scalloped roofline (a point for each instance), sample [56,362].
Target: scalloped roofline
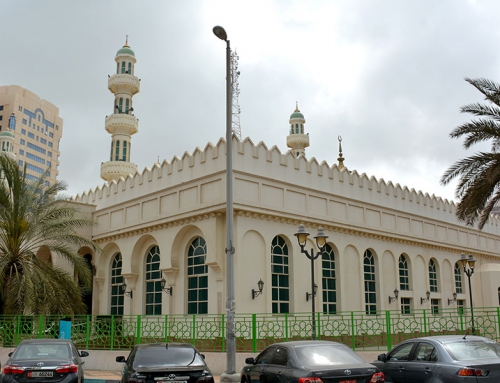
[212,151]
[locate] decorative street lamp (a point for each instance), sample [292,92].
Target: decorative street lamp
[321,237]
[230,375]
[470,262]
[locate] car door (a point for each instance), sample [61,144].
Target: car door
[276,370]
[258,371]
[423,360]
[396,361]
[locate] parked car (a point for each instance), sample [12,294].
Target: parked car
[445,358]
[309,361]
[44,360]
[160,362]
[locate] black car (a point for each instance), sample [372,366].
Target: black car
[309,361]
[44,360]
[444,358]
[162,362]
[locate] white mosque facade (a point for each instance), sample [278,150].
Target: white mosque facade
[168,223]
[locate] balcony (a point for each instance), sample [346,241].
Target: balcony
[113,170]
[124,83]
[121,123]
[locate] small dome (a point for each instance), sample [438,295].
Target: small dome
[296,113]
[125,51]
[7,133]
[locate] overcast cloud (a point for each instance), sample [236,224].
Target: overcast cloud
[387,76]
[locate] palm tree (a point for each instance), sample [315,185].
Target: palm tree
[34,221]
[479,175]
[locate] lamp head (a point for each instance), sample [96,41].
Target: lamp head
[124,287]
[220,32]
[471,261]
[260,283]
[455,296]
[428,293]
[163,282]
[315,290]
[463,260]
[396,293]
[321,237]
[302,235]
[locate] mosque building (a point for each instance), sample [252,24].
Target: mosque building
[163,231]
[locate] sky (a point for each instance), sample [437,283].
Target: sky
[385,75]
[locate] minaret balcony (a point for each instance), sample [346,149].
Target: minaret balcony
[297,140]
[121,123]
[113,170]
[124,83]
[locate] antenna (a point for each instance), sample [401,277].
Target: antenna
[235,90]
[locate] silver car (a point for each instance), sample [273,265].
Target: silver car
[444,358]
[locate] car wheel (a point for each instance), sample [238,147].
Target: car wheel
[244,379]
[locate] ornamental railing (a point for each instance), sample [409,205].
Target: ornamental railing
[253,332]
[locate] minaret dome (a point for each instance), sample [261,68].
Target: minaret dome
[297,140]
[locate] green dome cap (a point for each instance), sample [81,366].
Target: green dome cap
[296,113]
[125,50]
[7,133]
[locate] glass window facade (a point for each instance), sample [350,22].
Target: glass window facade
[329,281]
[116,286]
[370,283]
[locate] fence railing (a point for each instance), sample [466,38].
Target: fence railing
[361,331]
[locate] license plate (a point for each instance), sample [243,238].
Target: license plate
[348,381]
[40,374]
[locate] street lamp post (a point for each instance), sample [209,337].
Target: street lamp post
[321,237]
[230,375]
[470,262]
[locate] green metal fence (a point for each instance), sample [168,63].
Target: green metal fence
[253,332]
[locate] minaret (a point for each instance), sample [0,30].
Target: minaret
[7,145]
[122,124]
[297,141]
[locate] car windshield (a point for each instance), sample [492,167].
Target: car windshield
[45,350]
[326,355]
[473,350]
[171,356]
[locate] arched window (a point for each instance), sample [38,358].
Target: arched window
[130,68]
[117,68]
[370,283]
[127,105]
[123,66]
[124,156]
[404,279]
[111,153]
[296,128]
[329,281]
[153,282]
[197,272]
[120,105]
[280,276]
[433,279]
[116,286]
[117,151]
[457,271]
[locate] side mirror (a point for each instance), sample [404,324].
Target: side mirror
[382,357]
[120,359]
[203,356]
[250,361]
[10,353]
[84,354]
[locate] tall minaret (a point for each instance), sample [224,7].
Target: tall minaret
[122,123]
[297,141]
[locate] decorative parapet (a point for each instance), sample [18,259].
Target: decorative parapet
[119,82]
[116,123]
[294,172]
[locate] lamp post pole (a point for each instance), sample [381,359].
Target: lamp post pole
[302,235]
[230,375]
[469,271]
